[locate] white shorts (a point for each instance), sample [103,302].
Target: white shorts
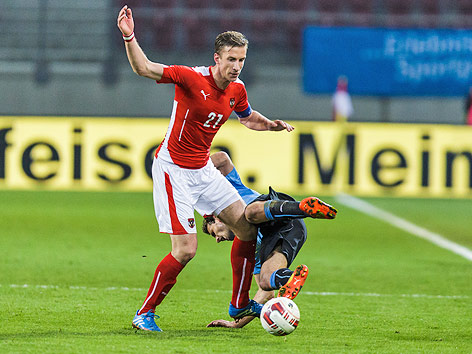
[178,192]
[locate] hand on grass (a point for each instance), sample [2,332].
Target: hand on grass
[223,323]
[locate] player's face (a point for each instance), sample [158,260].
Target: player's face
[230,62]
[220,231]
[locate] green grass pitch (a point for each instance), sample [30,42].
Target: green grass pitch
[74,268]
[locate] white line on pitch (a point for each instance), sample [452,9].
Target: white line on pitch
[387,295]
[333,293]
[310,293]
[375,212]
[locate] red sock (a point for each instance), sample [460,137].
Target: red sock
[164,279]
[242,262]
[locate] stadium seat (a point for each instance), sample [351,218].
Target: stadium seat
[163,4]
[265,30]
[196,4]
[360,13]
[429,7]
[196,33]
[361,6]
[464,22]
[230,23]
[400,21]
[163,32]
[229,4]
[360,20]
[296,5]
[294,31]
[131,3]
[117,39]
[398,7]
[263,4]
[330,6]
[464,7]
[463,14]
[430,13]
[398,13]
[143,30]
[143,24]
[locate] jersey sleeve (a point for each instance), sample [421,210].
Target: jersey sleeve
[243,108]
[174,74]
[246,193]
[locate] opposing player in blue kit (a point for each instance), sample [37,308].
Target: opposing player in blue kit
[282,233]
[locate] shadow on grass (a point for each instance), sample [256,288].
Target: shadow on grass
[167,334]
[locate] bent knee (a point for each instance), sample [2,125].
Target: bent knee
[254,213]
[250,214]
[184,255]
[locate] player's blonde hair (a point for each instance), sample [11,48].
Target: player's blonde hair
[231,39]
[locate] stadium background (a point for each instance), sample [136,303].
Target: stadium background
[74,117]
[54,51]
[66,58]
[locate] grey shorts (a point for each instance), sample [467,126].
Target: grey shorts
[290,233]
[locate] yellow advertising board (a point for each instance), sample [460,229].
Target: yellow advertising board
[365,159]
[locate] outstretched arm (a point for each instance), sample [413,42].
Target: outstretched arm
[139,62]
[261,297]
[257,121]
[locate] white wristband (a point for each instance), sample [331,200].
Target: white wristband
[128,38]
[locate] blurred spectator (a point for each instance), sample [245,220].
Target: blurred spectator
[468,107]
[342,104]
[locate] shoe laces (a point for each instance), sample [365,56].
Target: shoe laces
[151,315]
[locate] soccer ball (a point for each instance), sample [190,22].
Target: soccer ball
[280,316]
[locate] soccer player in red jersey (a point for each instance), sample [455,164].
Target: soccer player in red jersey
[184,178]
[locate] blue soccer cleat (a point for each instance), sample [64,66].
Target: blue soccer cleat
[252,309]
[146,321]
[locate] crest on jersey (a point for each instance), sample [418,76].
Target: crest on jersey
[231,102]
[191,222]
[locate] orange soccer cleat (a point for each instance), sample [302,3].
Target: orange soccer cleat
[317,209]
[291,289]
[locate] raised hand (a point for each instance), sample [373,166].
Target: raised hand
[125,21]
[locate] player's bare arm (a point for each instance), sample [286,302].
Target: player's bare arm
[261,297]
[139,62]
[222,162]
[257,121]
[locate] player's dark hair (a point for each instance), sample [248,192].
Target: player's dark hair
[210,219]
[231,39]
[207,220]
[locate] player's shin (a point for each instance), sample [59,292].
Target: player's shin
[242,263]
[164,279]
[280,277]
[283,209]
[295,283]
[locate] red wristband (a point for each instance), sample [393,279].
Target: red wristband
[128,38]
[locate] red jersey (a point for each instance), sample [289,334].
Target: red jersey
[200,109]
